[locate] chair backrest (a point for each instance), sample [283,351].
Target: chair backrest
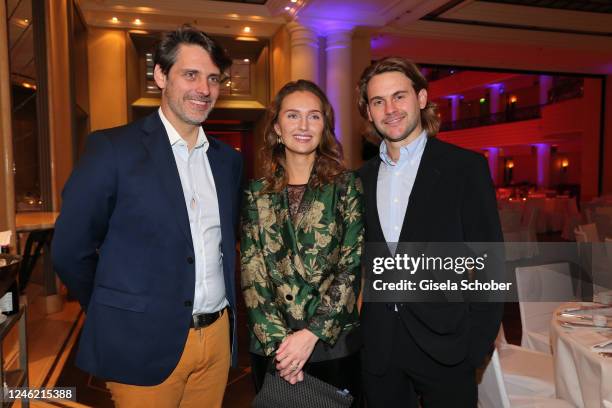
[588,214]
[552,284]
[604,210]
[531,219]
[510,219]
[501,340]
[603,223]
[492,390]
[590,231]
[572,207]
[580,235]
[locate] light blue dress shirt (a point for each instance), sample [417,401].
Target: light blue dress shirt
[204,220]
[395,182]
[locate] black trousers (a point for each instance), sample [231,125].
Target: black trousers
[414,378]
[342,373]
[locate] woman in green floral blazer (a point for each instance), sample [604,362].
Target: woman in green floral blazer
[302,237]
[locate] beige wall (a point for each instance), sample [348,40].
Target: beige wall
[7,203]
[280,60]
[60,104]
[361,58]
[107,78]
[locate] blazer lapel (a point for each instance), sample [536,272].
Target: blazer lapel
[417,213]
[370,185]
[157,143]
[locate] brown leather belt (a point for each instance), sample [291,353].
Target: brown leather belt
[201,320]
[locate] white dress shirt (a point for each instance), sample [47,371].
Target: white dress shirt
[394,185]
[204,220]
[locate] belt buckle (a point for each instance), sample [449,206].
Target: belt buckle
[205,319]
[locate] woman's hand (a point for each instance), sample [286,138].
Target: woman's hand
[293,353]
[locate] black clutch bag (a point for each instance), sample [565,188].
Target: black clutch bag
[310,393]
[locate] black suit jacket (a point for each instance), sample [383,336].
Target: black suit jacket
[452,200]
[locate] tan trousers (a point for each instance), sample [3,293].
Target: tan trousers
[198,380]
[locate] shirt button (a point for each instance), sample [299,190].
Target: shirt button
[289,297]
[188,303]
[190,260]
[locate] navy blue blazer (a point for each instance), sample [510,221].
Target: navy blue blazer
[122,245]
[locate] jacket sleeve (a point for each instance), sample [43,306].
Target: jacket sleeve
[88,201]
[265,320]
[481,224]
[339,301]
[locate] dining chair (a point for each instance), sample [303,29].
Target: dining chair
[604,210]
[526,372]
[492,391]
[591,234]
[510,220]
[541,289]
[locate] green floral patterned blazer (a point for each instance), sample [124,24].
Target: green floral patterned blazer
[304,274]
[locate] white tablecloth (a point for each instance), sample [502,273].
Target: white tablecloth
[582,377]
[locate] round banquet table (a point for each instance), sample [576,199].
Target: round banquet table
[582,377]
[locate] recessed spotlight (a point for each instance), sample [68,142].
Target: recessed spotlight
[247,29]
[287,8]
[246,60]
[137,21]
[25,20]
[244,38]
[115,20]
[294,1]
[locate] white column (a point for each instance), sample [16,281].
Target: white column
[492,157]
[543,165]
[545,85]
[340,90]
[494,99]
[455,107]
[304,53]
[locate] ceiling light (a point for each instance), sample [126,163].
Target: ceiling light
[247,29]
[287,8]
[294,1]
[137,21]
[243,38]
[246,60]
[25,20]
[115,20]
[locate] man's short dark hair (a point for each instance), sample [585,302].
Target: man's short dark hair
[167,48]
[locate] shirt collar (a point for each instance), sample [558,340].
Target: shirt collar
[408,151]
[174,137]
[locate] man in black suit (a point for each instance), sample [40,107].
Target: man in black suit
[420,189]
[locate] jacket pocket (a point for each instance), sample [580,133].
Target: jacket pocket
[120,300]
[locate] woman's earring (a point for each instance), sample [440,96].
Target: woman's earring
[279,140]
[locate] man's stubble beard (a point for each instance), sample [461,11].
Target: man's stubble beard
[404,135]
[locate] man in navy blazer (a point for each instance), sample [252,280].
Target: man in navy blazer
[146,240]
